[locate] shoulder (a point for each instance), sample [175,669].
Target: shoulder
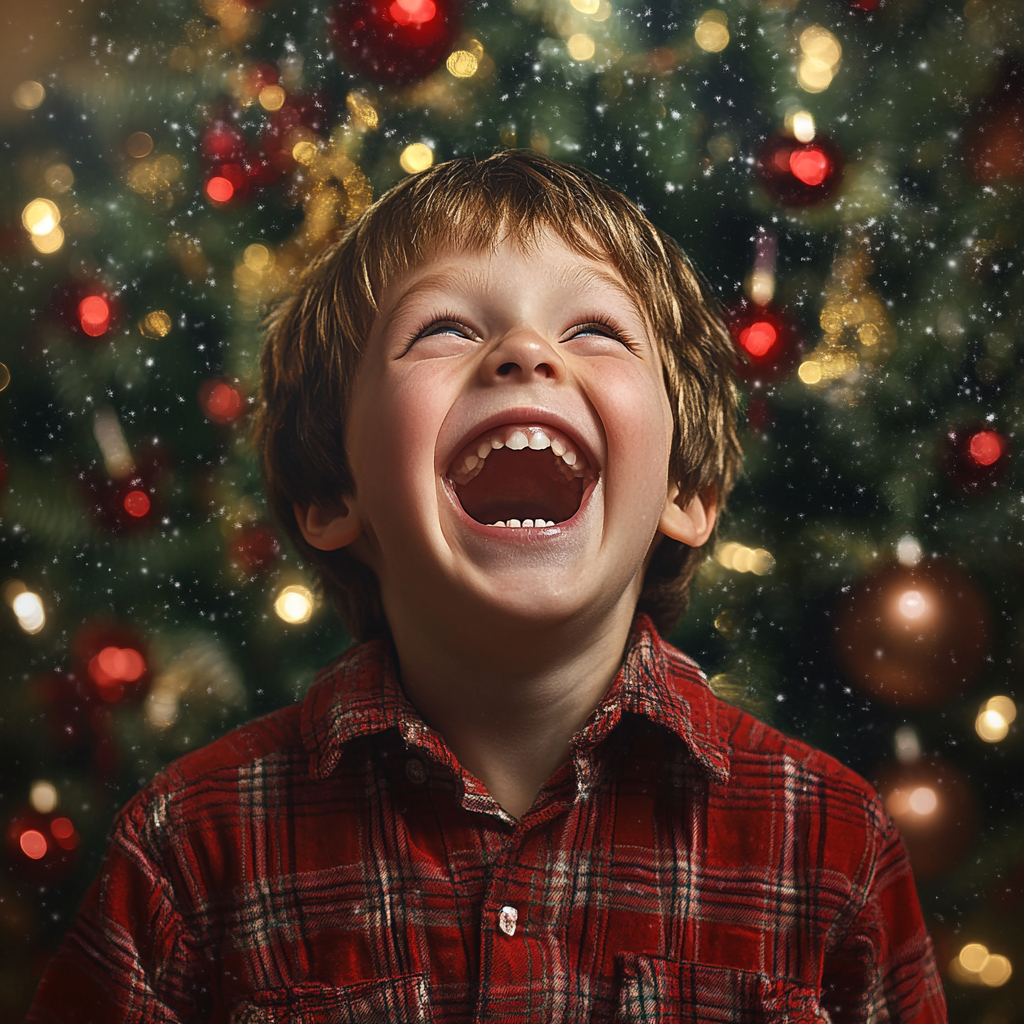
[194,787]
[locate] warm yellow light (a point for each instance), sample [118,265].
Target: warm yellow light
[139,144]
[294,604]
[760,286]
[580,46]
[155,325]
[586,6]
[28,608]
[416,157]
[991,726]
[272,97]
[820,62]
[40,217]
[818,43]
[257,257]
[5,376]
[740,558]
[1003,706]
[996,971]
[28,95]
[462,64]
[50,242]
[43,796]
[712,31]
[162,704]
[972,957]
[912,604]
[304,152]
[59,177]
[801,124]
[923,800]
[810,371]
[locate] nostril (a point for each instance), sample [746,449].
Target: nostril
[505,369]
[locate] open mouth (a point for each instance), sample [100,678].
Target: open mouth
[521,476]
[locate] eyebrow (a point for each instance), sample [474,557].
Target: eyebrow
[450,280]
[581,276]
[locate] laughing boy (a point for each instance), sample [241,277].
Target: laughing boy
[498,418]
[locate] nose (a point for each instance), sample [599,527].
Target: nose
[523,356]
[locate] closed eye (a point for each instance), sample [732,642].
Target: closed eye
[601,329]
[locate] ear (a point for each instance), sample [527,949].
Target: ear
[691,522]
[329,527]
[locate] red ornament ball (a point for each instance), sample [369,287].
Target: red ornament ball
[394,41]
[935,811]
[43,847]
[976,457]
[766,338]
[914,636]
[800,173]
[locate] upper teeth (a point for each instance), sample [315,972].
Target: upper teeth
[468,464]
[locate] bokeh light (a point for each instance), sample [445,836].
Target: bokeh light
[975,965]
[257,257]
[113,666]
[759,337]
[28,609]
[33,844]
[811,165]
[740,558]
[712,31]
[40,216]
[156,324]
[462,64]
[985,447]
[43,796]
[994,718]
[580,46]
[5,376]
[139,144]
[221,402]
[28,95]
[137,504]
[413,12]
[94,315]
[801,124]
[819,62]
[219,189]
[416,157]
[810,371]
[294,605]
[912,604]
[64,832]
[59,177]
[908,551]
[586,6]
[272,97]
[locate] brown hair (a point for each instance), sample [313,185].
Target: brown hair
[314,344]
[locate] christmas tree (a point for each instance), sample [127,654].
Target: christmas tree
[848,175]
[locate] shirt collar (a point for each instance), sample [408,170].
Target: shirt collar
[359,694]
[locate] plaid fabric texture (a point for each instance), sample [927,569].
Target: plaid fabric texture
[332,862]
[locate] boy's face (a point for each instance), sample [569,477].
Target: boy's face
[498,388]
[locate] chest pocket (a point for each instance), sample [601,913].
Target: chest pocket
[402,1000]
[657,991]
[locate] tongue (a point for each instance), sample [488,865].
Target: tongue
[520,485]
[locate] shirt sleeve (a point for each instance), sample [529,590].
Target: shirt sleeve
[883,966]
[127,957]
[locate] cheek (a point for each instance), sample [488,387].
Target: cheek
[638,424]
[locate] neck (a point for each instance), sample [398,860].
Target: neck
[508,700]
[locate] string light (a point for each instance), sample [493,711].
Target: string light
[416,157]
[40,216]
[994,718]
[985,447]
[294,605]
[801,124]
[219,189]
[712,31]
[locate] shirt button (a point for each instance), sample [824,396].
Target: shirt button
[415,772]
[507,918]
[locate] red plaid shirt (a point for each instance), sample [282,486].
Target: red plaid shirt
[333,862]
